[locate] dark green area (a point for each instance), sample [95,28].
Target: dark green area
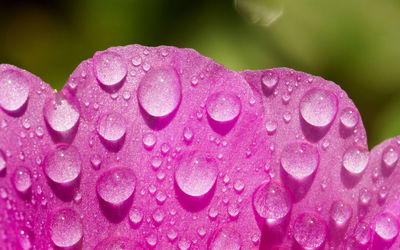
[355,43]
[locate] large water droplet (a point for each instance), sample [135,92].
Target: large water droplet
[318,107]
[160,92]
[223,107]
[109,68]
[196,173]
[355,160]
[116,185]
[340,213]
[225,239]
[111,127]
[309,231]
[22,179]
[65,228]
[386,226]
[300,160]
[14,90]
[63,165]
[272,202]
[269,79]
[349,118]
[61,115]
[3,161]
[390,157]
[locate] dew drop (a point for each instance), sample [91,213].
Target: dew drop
[65,228]
[238,186]
[272,202]
[172,234]
[349,118]
[136,61]
[362,233]
[224,239]
[271,127]
[61,115]
[269,79]
[95,161]
[300,160]
[22,179]
[135,216]
[183,244]
[365,196]
[152,240]
[309,231]
[63,165]
[355,160]
[158,216]
[390,157]
[160,92]
[14,90]
[340,213]
[111,127]
[149,140]
[223,107]
[109,68]
[318,107]
[196,173]
[386,226]
[233,211]
[212,213]
[383,192]
[161,197]
[116,185]
[188,135]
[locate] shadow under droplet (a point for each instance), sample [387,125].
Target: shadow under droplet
[19,112]
[221,128]
[336,233]
[193,204]
[344,131]
[298,188]
[60,137]
[115,213]
[157,123]
[113,146]
[272,235]
[113,88]
[64,192]
[313,134]
[349,180]
[266,91]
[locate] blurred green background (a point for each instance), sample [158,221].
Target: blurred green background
[355,43]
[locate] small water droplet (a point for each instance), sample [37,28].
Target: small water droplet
[135,216]
[161,197]
[149,140]
[116,185]
[15,90]
[287,117]
[196,173]
[269,79]
[309,231]
[152,240]
[172,234]
[160,92]
[136,61]
[111,127]
[158,216]
[63,165]
[271,127]
[156,162]
[386,226]
[95,160]
[225,239]
[349,118]
[39,131]
[109,68]
[188,135]
[272,202]
[355,160]
[390,157]
[65,228]
[365,196]
[340,213]
[201,232]
[223,107]
[233,211]
[212,213]
[22,179]
[318,107]
[184,244]
[238,186]
[300,160]
[362,233]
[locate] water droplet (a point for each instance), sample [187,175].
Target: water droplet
[15,90]
[212,213]
[349,118]
[117,243]
[233,211]
[161,197]
[172,234]
[22,179]
[196,173]
[149,140]
[269,79]
[109,68]
[238,186]
[318,107]
[61,115]
[383,192]
[287,117]
[201,232]
[95,160]
[364,196]
[355,160]
[362,233]
[65,228]
[272,202]
[309,231]
[188,134]
[151,240]
[136,61]
[223,107]
[225,239]
[63,165]
[271,127]
[39,131]
[158,216]
[135,216]
[390,156]
[111,127]
[184,244]
[160,92]
[386,226]
[3,161]
[300,160]
[340,213]
[116,185]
